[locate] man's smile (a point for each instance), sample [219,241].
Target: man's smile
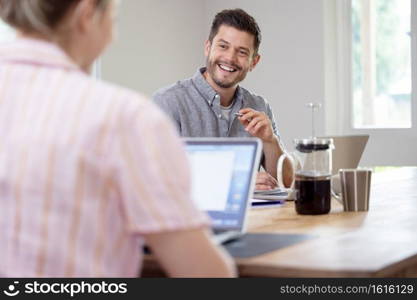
[227,68]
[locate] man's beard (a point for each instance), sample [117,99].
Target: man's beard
[211,69]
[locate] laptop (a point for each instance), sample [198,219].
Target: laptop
[223,172]
[348,151]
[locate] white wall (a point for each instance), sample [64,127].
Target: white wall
[161,41]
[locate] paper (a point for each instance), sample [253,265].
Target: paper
[271,197]
[277,191]
[275,194]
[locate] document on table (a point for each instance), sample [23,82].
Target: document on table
[274,194]
[270,197]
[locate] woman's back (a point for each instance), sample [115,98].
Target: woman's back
[88,171]
[59,129]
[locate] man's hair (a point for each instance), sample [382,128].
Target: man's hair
[238,19]
[37,16]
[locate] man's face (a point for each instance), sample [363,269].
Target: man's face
[230,56]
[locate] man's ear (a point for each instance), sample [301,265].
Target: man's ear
[207,47]
[255,61]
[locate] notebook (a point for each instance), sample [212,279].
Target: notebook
[223,172]
[348,151]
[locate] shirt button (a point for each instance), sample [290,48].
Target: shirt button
[220,116]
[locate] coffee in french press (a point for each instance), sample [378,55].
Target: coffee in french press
[313,176]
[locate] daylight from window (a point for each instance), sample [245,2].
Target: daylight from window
[6,33]
[381,63]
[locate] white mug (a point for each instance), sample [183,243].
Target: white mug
[295,163]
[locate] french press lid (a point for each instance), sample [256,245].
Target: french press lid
[314,144]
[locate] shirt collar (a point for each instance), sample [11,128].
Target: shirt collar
[37,52]
[210,94]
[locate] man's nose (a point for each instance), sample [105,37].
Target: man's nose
[231,56]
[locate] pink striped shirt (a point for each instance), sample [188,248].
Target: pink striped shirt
[86,169]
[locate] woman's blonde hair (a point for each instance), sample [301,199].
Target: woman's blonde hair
[37,16]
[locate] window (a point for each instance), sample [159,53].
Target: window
[371,76]
[381,64]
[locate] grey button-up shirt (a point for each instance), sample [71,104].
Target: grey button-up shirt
[194,106]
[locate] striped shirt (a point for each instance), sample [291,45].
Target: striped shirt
[86,170]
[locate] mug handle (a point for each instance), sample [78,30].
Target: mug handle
[338,197]
[281,169]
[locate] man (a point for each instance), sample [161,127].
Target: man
[212,104]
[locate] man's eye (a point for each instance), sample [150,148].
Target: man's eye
[222,46]
[244,53]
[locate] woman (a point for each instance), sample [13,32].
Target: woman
[89,171]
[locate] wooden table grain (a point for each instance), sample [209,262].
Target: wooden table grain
[379,243]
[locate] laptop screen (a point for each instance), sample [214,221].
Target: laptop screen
[222,175]
[348,150]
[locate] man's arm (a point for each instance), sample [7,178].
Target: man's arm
[259,125]
[190,253]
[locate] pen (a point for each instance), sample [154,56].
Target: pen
[239,115]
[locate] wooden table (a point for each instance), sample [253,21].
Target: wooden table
[378,243]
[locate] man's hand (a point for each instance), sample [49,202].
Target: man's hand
[257,124]
[264,181]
